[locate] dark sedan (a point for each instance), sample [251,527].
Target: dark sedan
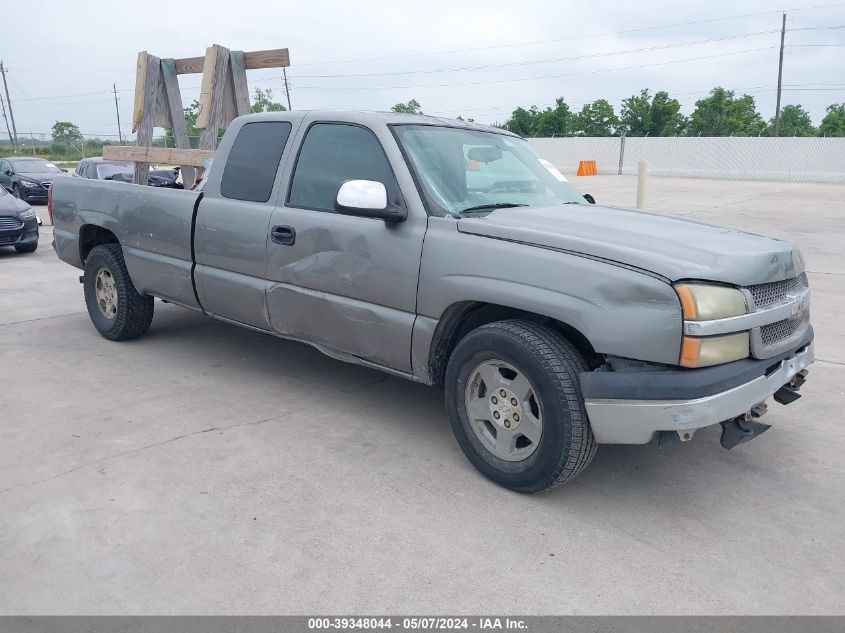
[123,171]
[18,224]
[28,178]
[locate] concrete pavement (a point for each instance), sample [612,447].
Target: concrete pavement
[210,469]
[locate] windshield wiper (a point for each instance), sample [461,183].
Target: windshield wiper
[493,205]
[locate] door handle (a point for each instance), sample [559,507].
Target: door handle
[285,235]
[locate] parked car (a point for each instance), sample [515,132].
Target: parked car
[18,224]
[28,178]
[451,254]
[124,171]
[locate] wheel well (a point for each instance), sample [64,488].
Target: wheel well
[461,318]
[90,236]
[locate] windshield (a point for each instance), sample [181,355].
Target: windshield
[108,170]
[34,166]
[467,170]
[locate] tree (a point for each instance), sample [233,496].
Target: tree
[262,101]
[522,121]
[794,121]
[635,118]
[596,119]
[557,121]
[722,114]
[412,107]
[644,115]
[666,117]
[66,133]
[833,123]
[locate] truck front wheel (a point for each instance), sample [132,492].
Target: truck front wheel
[514,400]
[117,309]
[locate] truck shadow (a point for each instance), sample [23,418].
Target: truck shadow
[264,361]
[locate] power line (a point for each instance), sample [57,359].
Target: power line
[571,38]
[547,61]
[516,79]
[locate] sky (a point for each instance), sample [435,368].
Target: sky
[473,58]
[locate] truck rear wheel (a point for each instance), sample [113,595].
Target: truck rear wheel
[514,400]
[117,309]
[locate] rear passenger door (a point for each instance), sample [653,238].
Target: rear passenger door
[232,220]
[345,283]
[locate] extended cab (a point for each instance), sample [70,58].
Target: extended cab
[451,254]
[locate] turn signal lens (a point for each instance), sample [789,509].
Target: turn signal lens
[713,350]
[703,302]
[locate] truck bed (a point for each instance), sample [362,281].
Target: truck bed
[153,225]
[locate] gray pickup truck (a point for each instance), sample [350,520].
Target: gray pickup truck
[450,254]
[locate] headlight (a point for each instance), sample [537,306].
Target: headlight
[29,183]
[713,350]
[26,214]
[703,302]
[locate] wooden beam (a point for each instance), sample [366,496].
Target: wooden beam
[213,97]
[140,80]
[177,116]
[163,155]
[240,87]
[276,58]
[150,79]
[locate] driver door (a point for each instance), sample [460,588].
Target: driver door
[347,284]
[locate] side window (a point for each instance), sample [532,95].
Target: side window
[254,160]
[4,166]
[331,154]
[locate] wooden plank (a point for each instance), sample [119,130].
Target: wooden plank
[275,58]
[189,65]
[140,80]
[177,116]
[163,155]
[212,101]
[208,81]
[241,88]
[151,76]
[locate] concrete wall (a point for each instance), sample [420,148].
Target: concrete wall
[741,158]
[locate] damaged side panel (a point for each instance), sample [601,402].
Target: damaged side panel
[619,310]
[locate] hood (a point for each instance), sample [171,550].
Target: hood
[9,205]
[668,246]
[39,176]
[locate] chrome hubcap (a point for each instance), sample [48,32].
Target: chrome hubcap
[106,291]
[503,410]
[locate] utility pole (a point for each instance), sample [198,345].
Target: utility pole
[9,101]
[117,111]
[5,118]
[780,75]
[32,140]
[287,92]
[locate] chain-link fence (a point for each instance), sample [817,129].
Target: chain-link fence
[792,159]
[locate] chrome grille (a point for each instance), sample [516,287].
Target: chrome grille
[776,332]
[10,224]
[776,291]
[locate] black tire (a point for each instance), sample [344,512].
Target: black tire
[134,311]
[26,248]
[551,364]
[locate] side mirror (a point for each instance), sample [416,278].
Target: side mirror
[367,199]
[9,172]
[589,198]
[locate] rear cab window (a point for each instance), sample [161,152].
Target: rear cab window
[253,161]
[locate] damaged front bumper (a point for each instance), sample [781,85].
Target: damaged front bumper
[643,405]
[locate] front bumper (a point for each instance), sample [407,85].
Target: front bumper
[33,194]
[636,420]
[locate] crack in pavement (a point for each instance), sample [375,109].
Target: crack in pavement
[148,446]
[57,316]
